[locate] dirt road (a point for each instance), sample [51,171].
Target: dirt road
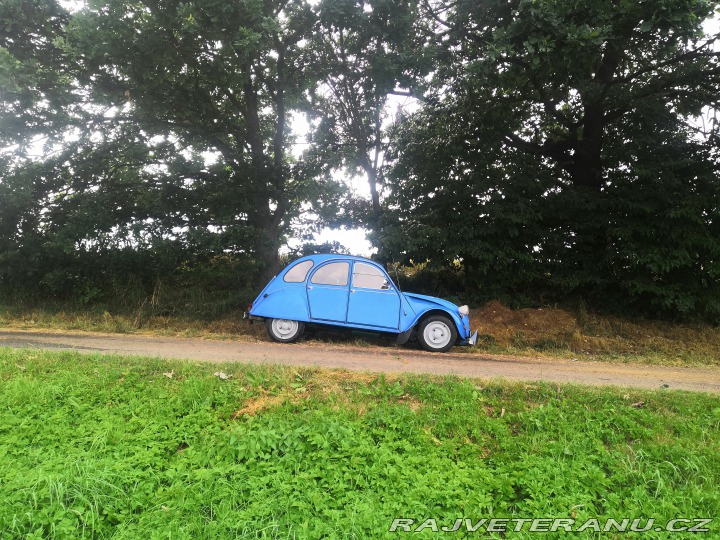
[376,359]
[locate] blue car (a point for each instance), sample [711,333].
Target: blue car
[356,294]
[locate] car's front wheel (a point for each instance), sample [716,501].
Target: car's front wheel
[437,334]
[283,330]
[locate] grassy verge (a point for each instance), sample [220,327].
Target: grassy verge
[579,334]
[99,447]
[135,322]
[526,332]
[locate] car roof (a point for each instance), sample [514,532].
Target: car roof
[320,257]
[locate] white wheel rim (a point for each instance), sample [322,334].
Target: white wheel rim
[437,334]
[284,329]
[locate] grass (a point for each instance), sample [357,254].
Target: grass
[558,332]
[526,332]
[101,447]
[123,322]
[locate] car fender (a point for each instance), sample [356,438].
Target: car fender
[424,306]
[289,302]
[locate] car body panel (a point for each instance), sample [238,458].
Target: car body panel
[286,302]
[386,310]
[327,303]
[422,304]
[374,308]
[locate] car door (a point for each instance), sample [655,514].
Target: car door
[327,292]
[373,300]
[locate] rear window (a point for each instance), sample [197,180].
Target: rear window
[298,273]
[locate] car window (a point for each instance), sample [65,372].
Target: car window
[298,273]
[368,277]
[332,274]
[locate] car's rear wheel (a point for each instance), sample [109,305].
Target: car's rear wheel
[283,330]
[437,334]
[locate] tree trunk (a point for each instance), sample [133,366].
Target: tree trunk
[268,182]
[372,175]
[586,170]
[269,259]
[374,195]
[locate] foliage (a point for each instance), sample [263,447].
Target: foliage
[560,158]
[446,209]
[176,142]
[235,75]
[35,87]
[554,152]
[94,447]
[363,52]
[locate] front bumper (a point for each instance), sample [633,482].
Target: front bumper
[472,340]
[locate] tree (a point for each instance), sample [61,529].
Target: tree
[455,198]
[35,90]
[565,73]
[213,77]
[37,104]
[154,157]
[567,106]
[363,52]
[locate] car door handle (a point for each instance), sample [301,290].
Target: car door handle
[309,288]
[352,290]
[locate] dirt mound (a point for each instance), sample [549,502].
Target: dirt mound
[493,314]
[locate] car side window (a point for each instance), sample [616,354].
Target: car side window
[366,276]
[332,274]
[298,273]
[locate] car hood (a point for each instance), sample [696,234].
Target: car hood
[421,302]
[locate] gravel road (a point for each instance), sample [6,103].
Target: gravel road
[389,359]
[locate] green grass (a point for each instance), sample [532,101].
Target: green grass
[112,447]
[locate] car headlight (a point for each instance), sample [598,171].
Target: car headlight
[463,310]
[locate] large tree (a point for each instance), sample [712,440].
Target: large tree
[151,130]
[566,125]
[38,106]
[218,77]
[363,51]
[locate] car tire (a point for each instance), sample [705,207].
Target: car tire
[283,330]
[437,334]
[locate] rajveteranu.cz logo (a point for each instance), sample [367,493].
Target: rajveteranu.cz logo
[694,525]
